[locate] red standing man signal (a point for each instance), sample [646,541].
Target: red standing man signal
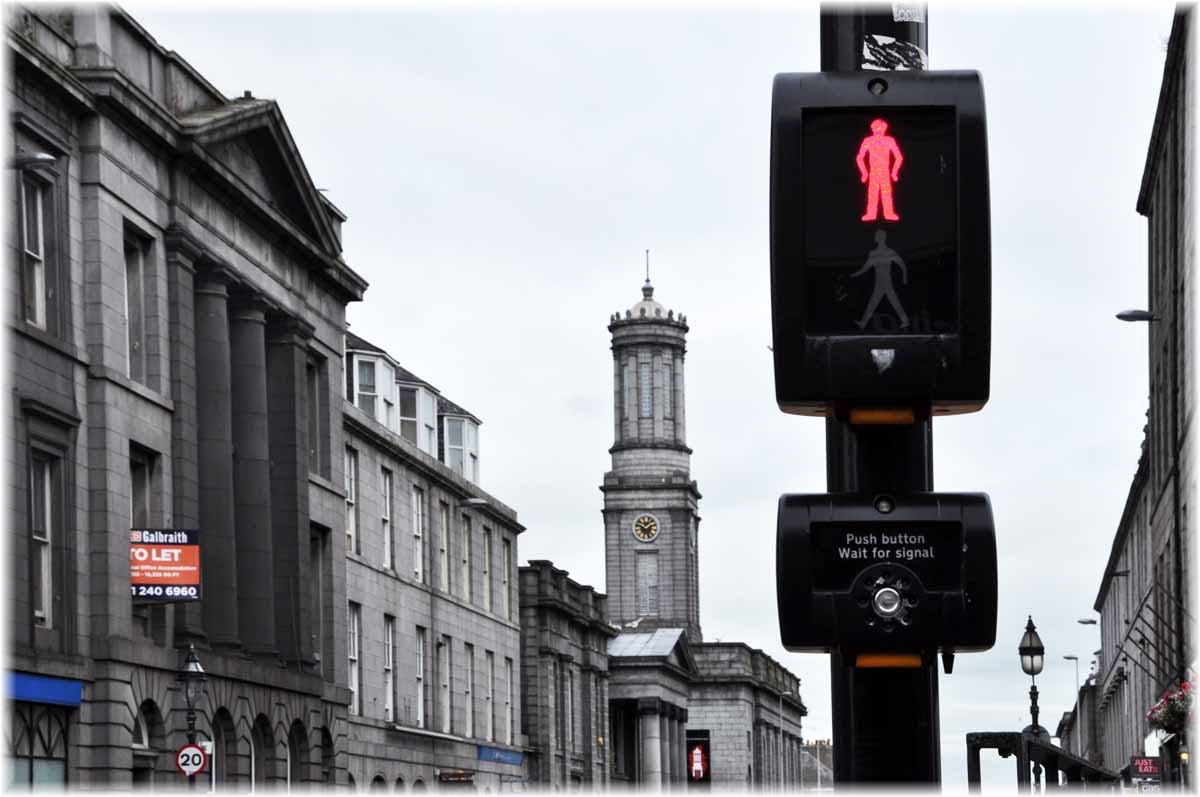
[878,149]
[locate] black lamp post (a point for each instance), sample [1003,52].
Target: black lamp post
[1032,658]
[193,678]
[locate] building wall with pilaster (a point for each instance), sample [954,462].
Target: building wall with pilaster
[564,639]
[138,180]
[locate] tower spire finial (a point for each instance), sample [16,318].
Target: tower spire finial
[647,289]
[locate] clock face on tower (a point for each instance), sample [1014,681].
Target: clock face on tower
[645,528]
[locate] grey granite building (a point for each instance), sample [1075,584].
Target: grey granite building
[1146,595]
[681,710]
[175,345]
[564,680]
[433,644]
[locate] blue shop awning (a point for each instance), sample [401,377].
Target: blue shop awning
[42,689]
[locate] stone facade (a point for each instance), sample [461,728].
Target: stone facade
[1145,595]
[565,679]
[432,603]
[751,707]
[180,298]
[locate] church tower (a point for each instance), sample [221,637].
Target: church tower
[650,500]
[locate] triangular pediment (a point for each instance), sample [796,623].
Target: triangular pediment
[251,142]
[667,645]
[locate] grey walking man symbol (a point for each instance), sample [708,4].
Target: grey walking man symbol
[881,259]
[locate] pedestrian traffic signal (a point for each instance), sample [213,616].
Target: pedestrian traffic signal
[880,243]
[874,574]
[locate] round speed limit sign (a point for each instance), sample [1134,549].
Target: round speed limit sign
[191,759]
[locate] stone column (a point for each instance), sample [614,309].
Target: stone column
[252,477]
[674,750]
[648,710]
[218,542]
[182,252]
[664,743]
[297,633]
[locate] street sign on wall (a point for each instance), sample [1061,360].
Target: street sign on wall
[164,565]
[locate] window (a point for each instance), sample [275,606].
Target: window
[320,570]
[44,527]
[37,755]
[455,440]
[33,244]
[408,414]
[389,414]
[509,729]
[429,418]
[569,710]
[316,414]
[419,697]
[443,546]
[366,387]
[647,403]
[444,703]
[647,583]
[389,668]
[507,565]
[354,639]
[351,476]
[472,465]
[668,373]
[135,307]
[469,652]
[418,530]
[389,555]
[141,476]
[488,701]
[487,569]
[465,552]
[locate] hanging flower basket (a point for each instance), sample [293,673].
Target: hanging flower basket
[1171,712]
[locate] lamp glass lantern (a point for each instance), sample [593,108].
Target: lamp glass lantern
[1032,652]
[193,678]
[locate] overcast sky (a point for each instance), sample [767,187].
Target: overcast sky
[503,171]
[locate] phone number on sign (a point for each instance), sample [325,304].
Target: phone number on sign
[145,591]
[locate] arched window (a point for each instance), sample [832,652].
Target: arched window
[224,739]
[147,740]
[328,767]
[419,785]
[297,755]
[378,784]
[399,788]
[350,782]
[262,746]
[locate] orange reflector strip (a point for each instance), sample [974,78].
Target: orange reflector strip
[887,660]
[882,416]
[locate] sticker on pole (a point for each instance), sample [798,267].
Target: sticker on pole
[191,759]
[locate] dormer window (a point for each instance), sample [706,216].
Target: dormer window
[366,387]
[462,447]
[408,414]
[455,444]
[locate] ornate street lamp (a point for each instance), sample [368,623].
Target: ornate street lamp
[193,679]
[1033,656]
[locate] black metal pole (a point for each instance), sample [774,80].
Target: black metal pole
[885,721]
[191,736]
